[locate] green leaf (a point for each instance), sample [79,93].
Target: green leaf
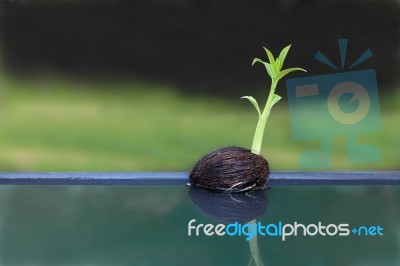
[278,63]
[270,56]
[283,73]
[254,102]
[257,60]
[275,99]
[271,61]
[267,65]
[269,69]
[282,56]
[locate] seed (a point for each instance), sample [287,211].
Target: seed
[230,169]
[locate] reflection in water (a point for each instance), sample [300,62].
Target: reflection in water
[147,225]
[243,207]
[229,207]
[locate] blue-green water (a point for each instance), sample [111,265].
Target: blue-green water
[145,225]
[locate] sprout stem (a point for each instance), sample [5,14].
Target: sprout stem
[262,121]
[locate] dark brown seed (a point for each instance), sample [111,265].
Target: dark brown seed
[230,169]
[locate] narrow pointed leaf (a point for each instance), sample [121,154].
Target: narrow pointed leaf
[282,56]
[257,60]
[283,73]
[278,63]
[267,65]
[269,69]
[275,99]
[271,61]
[254,102]
[270,56]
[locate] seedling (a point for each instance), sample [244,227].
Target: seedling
[274,70]
[234,169]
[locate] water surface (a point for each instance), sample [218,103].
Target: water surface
[147,225]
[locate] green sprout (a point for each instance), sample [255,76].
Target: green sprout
[274,70]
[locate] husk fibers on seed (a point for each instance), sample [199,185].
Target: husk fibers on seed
[230,169]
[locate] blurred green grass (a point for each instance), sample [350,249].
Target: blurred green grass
[61,125]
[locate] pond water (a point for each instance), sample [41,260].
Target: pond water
[148,225]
